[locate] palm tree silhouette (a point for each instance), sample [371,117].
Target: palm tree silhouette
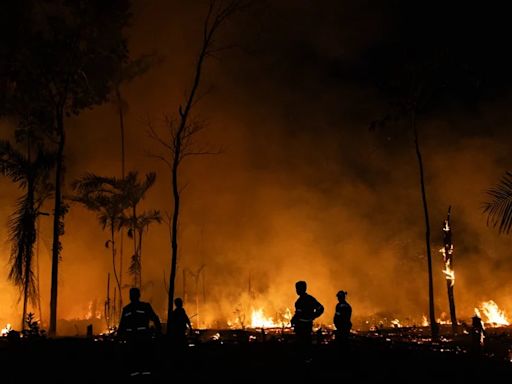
[140,223]
[499,207]
[102,195]
[31,175]
[135,190]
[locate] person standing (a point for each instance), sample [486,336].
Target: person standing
[180,325]
[342,320]
[135,331]
[307,309]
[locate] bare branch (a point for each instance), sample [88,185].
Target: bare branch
[159,157]
[200,153]
[152,134]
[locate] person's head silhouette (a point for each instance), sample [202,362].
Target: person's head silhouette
[300,287]
[178,302]
[341,295]
[134,294]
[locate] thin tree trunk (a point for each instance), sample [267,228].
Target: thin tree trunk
[56,246]
[123,159]
[141,232]
[433,323]
[108,314]
[118,281]
[177,146]
[121,125]
[135,247]
[38,272]
[212,21]
[174,235]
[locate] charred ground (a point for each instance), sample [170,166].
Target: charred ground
[396,355]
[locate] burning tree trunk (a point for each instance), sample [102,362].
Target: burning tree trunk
[448,271]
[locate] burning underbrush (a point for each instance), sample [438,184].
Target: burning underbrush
[257,325]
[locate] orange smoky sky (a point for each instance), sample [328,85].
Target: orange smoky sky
[302,189]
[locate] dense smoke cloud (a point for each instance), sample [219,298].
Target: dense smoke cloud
[302,189]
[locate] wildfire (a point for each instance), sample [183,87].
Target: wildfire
[6,330]
[449,273]
[396,323]
[495,316]
[258,319]
[92,311]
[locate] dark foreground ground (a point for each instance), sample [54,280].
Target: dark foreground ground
[370,360]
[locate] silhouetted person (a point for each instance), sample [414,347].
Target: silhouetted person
[342,320]
[134,329]
[477,335]
[179,325]
[307,309]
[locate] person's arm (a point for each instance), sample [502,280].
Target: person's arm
[188,322]
[319,309]
[154,318]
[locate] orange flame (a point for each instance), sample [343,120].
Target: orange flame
[6,330]
[495,316]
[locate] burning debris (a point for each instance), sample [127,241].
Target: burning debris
[495,317]
[5,331]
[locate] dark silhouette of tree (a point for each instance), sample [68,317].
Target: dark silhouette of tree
[499,205]
[61,58]
[30,171]
[136,231]
[411,92]
[179,143]
[126,72]
[99,194]
[134,191]
[419,74]
[111,198]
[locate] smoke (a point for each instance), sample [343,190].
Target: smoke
[302,189]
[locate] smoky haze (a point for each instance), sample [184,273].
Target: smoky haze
[302,189]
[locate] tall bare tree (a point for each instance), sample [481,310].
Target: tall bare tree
[412,93]
[181,131]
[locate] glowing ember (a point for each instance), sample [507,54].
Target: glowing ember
[6,330]
[443,319]
[396,323]
[495,316]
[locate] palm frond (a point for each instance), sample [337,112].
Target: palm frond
[14,164]
[499,207]
[148,217]
[135,266]
[22,236]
